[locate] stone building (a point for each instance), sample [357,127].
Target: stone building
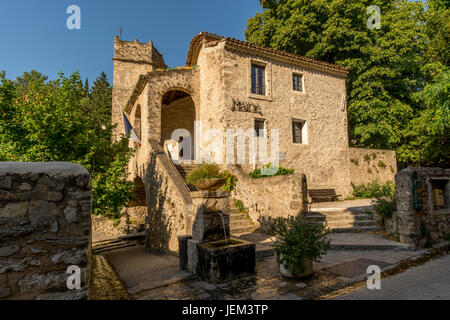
[229,85]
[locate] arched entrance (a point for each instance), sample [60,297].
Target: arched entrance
[137,209]
[178,112]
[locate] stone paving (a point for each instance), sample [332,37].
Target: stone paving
[267,284]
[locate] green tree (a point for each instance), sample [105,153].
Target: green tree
[59,120]
[388,66]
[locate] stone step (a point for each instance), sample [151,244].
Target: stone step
[241,224]
[356,217]
[243,230]
[351,225]
[357,229]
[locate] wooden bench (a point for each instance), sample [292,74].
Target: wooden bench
[322,194]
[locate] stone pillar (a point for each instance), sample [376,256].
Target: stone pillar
[407,225]
[45,228]
[211,221]
[211,215]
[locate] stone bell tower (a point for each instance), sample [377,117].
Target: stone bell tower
[131,59]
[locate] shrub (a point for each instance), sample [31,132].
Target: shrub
[256,174]
[381,164]
[204,171]
[385,208]
[374,190]
[298,238]
[231,180]
[240,205]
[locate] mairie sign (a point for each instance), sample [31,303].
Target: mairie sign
[245,107]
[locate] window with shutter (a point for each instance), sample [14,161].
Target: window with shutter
[259,125]
[297,82]
[297,131]
[258,79]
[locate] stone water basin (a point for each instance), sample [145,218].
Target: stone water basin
[224,260]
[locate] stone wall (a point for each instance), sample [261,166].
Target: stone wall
[131,59]
[368,165]
[45,227]
[271,197]
[169,204]
[424,224]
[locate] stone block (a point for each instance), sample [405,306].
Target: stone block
[7,251]
[73,256]
[193,255]
[17,265]
[5,183]
[70,213]
[35,283]
[14,210]
[54,196]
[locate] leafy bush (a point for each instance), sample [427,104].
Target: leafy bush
[297,238]
[374,190]
[240,205]
[62,120]
[231,180]
[256,174]
[204,171]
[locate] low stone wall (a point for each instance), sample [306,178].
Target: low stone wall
[168,199]
[271,197]
[45,227]
[367,165]
[417,220]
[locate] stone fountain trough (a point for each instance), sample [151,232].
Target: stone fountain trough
[212,254]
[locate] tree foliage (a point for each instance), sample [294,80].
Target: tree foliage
[391,68]
[63,120]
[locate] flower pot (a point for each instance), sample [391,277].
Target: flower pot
[210,184]
[296,271]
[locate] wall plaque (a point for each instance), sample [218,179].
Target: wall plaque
[245,107]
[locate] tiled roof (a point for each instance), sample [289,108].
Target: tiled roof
[196,42]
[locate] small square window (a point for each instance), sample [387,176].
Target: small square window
[298,131]
[260,125]
[258,79]
[297,82]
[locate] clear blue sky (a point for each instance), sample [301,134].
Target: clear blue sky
[34,34]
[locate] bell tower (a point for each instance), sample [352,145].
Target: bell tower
[131,59]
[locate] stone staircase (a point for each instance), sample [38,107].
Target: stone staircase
[240,223]
[185,170]
[350,219]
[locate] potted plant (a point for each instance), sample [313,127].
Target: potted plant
[206,177]
[298,243]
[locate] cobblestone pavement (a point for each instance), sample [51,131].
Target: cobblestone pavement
[430,281]
[268,284]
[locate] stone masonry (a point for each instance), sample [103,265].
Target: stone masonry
[421,225]
[45,227]
[215,90]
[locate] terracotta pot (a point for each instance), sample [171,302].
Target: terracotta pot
[295,271]
[210,184]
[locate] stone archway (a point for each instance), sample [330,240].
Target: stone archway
[137,209]
[178,112]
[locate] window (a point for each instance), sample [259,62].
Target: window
[299,131]
[259,125]
[297,82]
[258,79]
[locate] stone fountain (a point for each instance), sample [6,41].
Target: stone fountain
[211,253]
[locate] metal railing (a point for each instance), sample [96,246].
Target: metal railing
[239,188]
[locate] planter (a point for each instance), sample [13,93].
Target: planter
[210,184]
[295,271]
